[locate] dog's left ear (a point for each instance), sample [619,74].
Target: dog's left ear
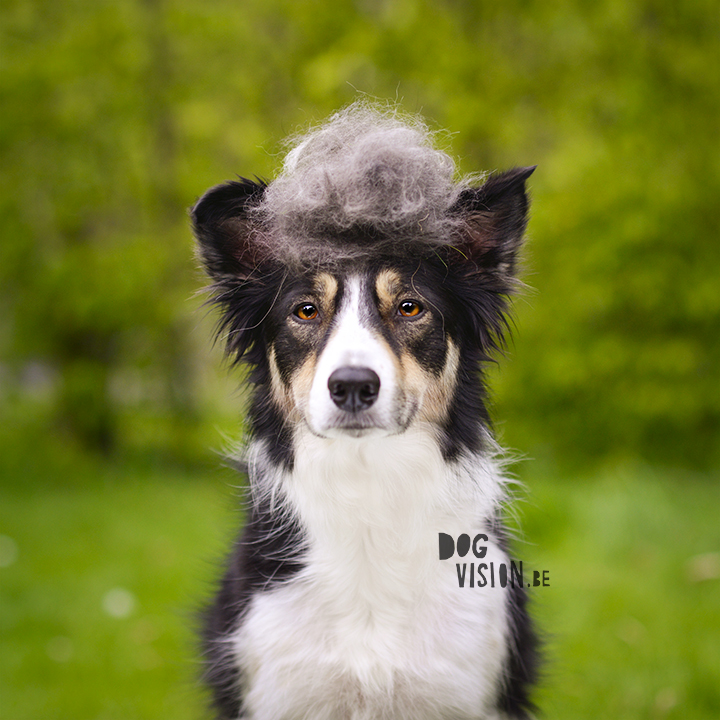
[494,217]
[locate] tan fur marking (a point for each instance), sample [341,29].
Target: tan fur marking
[301,383]
[293,398]
[280,393]
[326,287]
[436,392]
[387,286]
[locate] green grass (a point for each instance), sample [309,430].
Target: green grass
[96,611]
[633,610]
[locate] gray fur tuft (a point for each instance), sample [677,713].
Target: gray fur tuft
[366,172]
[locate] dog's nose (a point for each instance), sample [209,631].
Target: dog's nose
[354,388]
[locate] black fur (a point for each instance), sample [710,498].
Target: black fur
[524,662]
[267,553]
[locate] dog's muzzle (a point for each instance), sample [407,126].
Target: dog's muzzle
[354,388]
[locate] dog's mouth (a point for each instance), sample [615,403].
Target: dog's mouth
[364,424]
[357,426]
[350,425]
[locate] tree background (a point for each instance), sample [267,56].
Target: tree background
[116,115]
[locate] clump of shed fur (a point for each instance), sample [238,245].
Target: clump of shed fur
[366,176]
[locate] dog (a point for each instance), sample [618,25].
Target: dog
[365,288]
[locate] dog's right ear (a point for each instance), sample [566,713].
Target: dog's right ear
[227,235]
[233,249]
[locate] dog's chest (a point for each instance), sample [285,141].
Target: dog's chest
[375,626]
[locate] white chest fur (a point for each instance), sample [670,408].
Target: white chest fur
[376,626]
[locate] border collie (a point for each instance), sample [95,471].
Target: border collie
[365,288]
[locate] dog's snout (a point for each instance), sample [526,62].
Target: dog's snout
[354,388]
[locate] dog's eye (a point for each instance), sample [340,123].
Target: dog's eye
[306,311]
[410,308]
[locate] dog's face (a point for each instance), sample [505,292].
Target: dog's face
[362,351]
[368,334]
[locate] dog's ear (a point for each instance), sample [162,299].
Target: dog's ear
[228,238]
[233,249]
[493,220]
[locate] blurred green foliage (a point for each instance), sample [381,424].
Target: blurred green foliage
[96,611]
[117,115]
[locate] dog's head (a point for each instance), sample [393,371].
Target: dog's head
[364,286]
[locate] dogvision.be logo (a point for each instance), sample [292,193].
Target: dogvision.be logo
[485,574]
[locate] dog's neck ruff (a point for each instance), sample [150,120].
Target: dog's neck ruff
[385,618]
[374,479]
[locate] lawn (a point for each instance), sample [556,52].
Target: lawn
[100,578]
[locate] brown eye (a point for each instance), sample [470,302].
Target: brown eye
[306,311]
[410,308]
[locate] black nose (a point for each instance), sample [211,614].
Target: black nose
[354,388]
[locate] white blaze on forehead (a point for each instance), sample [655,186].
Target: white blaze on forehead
[352,343]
